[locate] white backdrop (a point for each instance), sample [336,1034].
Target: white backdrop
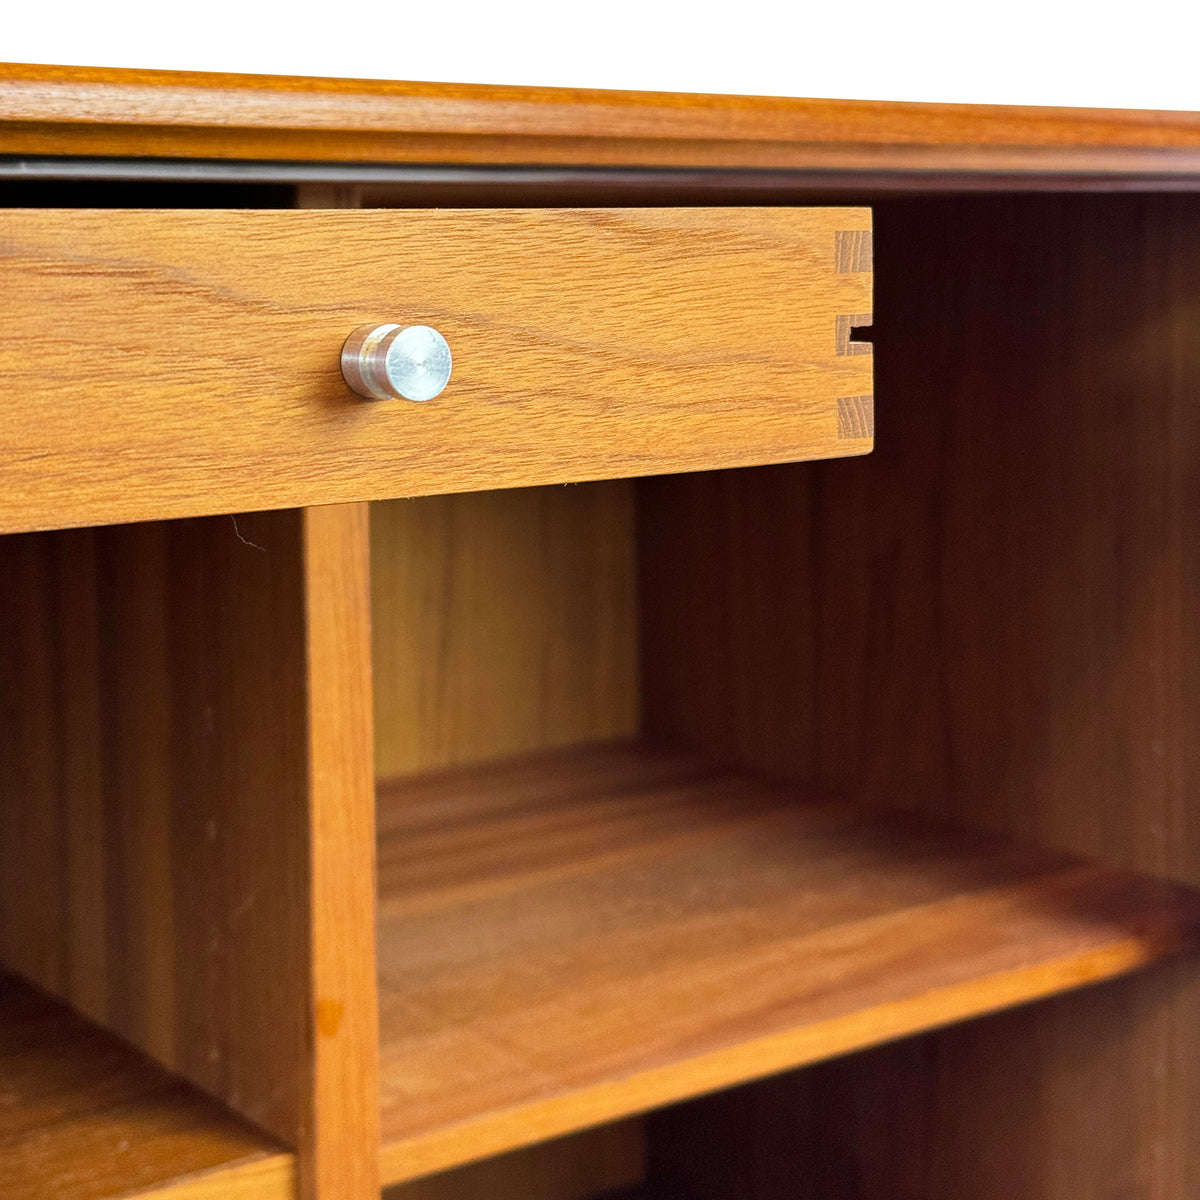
[1135,55]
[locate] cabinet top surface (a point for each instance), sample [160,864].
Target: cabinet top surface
[90,111]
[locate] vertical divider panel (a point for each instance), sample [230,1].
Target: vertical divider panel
[342,1159]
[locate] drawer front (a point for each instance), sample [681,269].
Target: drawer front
[162,364]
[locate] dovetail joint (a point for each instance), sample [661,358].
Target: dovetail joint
[856,417]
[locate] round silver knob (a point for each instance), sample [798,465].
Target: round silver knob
[392,362]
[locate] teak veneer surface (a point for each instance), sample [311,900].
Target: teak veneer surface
[341,1130]
[501,623]
[99,111]
[84,1117]
[594,932]
[202,349]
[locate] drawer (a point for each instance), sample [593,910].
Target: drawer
[171,363]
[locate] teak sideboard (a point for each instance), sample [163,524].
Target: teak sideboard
[740,739]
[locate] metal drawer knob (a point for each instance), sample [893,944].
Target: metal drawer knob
[393,362]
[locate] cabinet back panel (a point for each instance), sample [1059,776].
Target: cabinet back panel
[503,622]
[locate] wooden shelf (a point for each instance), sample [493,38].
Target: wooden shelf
[84,1117]
[580,935]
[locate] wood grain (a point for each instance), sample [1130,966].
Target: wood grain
[597,932]
[856,416]
[84,1117]
[100,111]
[503,622]
[989,620]
[187,808]
[339,1145]
[854,250]
[204,346]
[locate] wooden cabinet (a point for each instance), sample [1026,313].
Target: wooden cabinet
[376,811]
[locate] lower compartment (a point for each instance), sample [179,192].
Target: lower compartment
[1053,1100]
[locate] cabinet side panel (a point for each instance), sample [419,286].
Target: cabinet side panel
[239,810]
[989,619]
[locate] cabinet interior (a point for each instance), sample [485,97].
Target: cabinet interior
[957,659]
[760,802]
